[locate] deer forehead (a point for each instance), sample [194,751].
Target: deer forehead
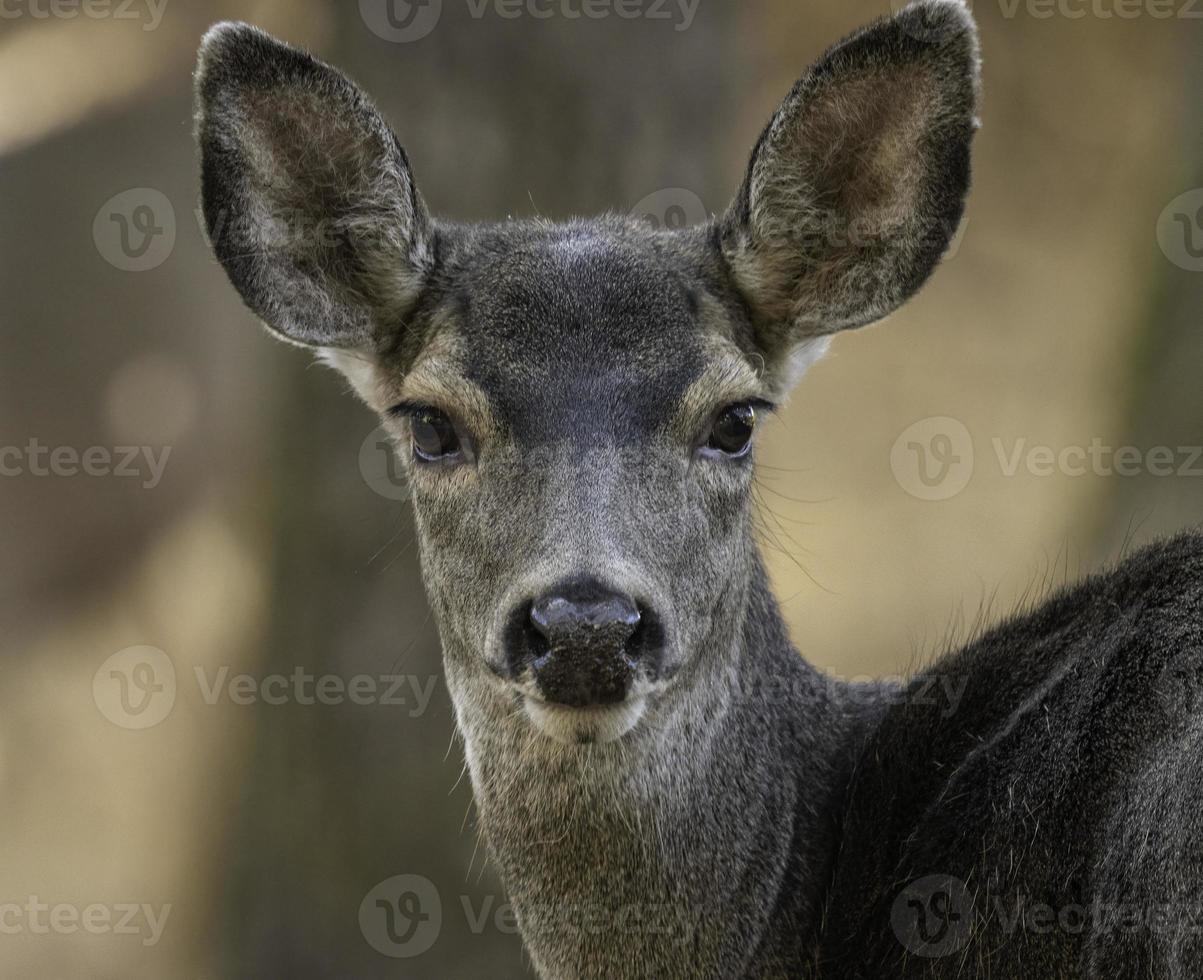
[577,334]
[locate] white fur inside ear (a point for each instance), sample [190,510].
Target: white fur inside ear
[802,358]
[360,369]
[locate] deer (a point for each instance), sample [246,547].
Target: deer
[666,786]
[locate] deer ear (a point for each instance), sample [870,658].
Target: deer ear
[307,195]
[857,185]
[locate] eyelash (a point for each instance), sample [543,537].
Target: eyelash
[760,404]
[404,410]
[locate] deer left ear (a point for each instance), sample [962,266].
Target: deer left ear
[308,198]
[858,183]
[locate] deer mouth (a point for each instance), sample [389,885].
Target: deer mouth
[583,725]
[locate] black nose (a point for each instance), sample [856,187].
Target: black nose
[583,642]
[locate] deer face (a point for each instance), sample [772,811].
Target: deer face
[576,406]
[577,431]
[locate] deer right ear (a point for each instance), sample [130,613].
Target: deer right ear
[307,195]
[858,183]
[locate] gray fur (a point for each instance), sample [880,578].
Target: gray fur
[740,814]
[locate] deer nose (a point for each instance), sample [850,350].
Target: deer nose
[582,647]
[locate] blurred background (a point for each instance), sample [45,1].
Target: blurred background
[223,727]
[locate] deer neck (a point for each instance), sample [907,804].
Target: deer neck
[697,843]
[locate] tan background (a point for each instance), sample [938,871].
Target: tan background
[1059,320]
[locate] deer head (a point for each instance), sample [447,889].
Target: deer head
[576,405]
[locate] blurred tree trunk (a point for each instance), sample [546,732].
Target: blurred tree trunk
[1167,399]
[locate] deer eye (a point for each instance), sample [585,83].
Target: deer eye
[731,433]
[434,436]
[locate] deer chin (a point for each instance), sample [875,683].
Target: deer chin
[584,726]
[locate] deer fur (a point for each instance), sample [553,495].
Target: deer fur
[738,814]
